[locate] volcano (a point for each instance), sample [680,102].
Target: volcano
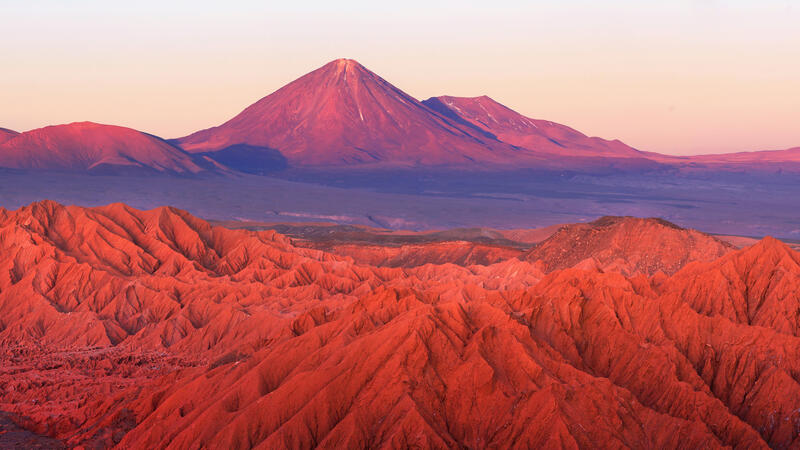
[97,148]
[342,114]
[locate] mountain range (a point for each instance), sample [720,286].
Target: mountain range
[342,116]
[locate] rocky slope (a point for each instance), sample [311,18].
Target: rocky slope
[509,126]
[6,134]
[627,245]
[148,329]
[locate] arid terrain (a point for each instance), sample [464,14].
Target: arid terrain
[148,329]
[399,225]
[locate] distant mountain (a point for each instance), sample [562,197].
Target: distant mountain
[6,134]
[765,161]
[343,114]
[764,156]
[87,146]
[484,114]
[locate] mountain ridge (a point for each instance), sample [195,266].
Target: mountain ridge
[93,147]
[541,135]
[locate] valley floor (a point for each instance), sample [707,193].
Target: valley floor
[722,203]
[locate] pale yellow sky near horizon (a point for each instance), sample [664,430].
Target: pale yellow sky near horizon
[679,77]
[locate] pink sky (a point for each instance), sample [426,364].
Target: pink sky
[681,77]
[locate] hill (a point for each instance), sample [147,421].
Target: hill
[627,245]
[92,147]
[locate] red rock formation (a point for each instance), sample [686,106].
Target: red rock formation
[759,286]
[627,245]
[151,328]
[90,146]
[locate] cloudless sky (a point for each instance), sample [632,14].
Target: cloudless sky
[677,76]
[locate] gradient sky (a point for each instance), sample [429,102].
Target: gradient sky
[676,76]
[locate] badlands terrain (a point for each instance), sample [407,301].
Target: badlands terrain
[150,329]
